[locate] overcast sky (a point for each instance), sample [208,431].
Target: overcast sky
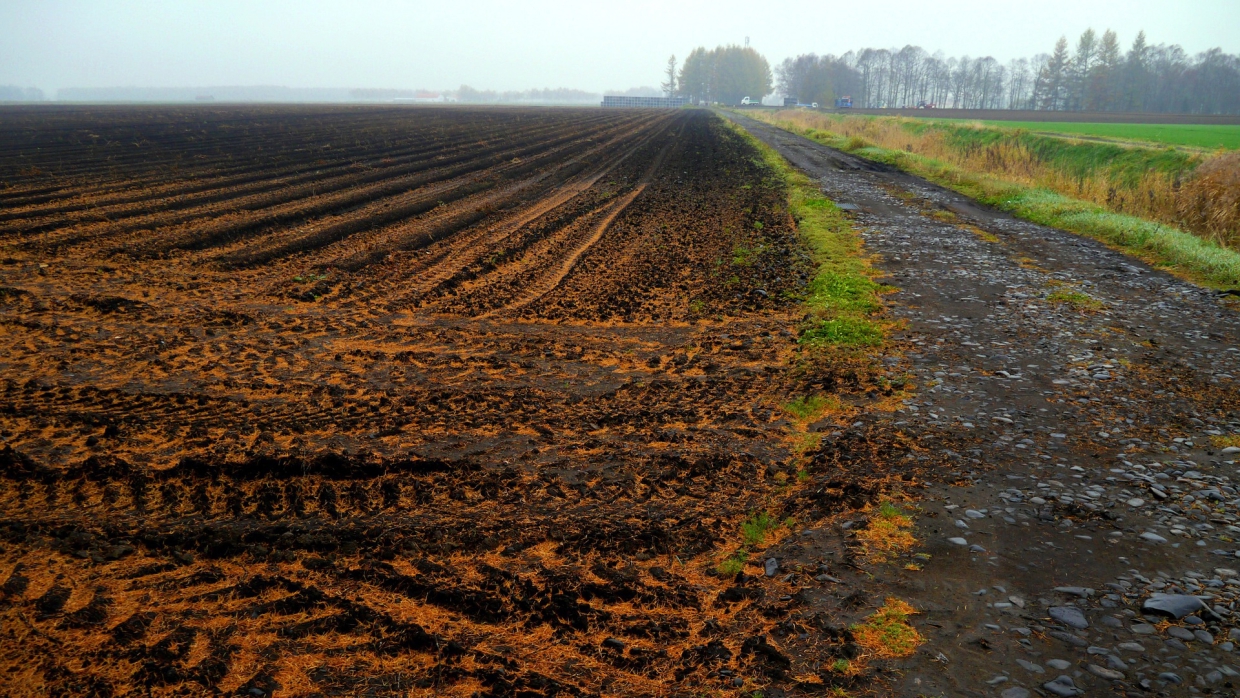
[514,44]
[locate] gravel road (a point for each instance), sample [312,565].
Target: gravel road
[1088,542]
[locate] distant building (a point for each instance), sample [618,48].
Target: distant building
[644,102]
[422,98]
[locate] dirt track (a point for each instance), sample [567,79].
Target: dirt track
[1087,425]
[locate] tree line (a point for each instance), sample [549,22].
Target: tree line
[725,74]
[1098,75]
[13,93]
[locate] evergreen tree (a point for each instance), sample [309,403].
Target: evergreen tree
[1052,88]
[1136,75]
[669,86]
[1082,65]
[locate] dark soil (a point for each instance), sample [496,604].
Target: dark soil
[392,401]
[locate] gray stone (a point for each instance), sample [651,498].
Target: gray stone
[1143,629]
[997,680]
[1068,615]
[1059,664]
[1029,666]
[1176,644]
[1082,592]
[1115,662]
[1015,692]
[772,566]
[1174,605]
[1234,633]
[1068,638]
[1093,649]
[1170,677]
[1181,633]
[958,541]
[1131,646]
[1214,677]
[974,514]
[1153,537]
[1204,636]
[1230,451]
[1104,673]
[1063,687]
[1111,622]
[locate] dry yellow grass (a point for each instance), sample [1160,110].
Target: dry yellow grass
[888,534]
[1208,203]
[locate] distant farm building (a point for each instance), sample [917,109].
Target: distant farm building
[644,102]
[422,98]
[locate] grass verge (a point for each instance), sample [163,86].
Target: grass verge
[842,299]
[1200,260]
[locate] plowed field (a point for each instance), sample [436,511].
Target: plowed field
[385,402]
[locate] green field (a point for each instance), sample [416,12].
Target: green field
[1192,135]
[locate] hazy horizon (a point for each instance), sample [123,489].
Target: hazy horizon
[61,44]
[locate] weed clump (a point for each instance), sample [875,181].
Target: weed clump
[1080,301]
[754,532]
[886,634]
[888,534]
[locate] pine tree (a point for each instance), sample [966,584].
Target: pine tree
[669,87]
[1136,74]
[1082,64]
[1051,81]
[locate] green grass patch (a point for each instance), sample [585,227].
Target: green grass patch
[1201,260]
[844,331]
[809,407]
[1204,136]
[1081,301]
[842,297]
[734,564]
[755,529]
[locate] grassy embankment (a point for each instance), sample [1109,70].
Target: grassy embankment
[1139,200]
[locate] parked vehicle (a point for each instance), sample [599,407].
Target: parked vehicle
[843,103]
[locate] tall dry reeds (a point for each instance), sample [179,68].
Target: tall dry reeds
[1210,201]
[1205,201]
